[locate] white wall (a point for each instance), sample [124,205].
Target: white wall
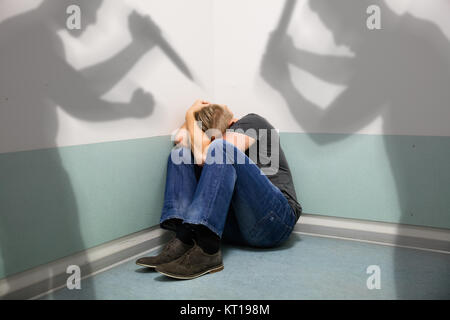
[398,83]
[398,79]
[31,118]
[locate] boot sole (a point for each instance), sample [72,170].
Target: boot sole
[176,276]
[146,265]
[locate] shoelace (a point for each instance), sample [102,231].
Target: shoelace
[186,257]
[169,245]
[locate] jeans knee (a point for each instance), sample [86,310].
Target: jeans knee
[218,143]
[217,152]
[180,155]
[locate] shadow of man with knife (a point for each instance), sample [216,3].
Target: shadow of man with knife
[401,74]
[39,216]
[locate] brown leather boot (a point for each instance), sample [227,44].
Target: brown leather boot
[192,264]
[174,249]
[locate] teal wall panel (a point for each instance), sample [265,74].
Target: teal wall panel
[55,202]
[398,179]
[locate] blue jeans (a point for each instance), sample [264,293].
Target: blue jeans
[230,197]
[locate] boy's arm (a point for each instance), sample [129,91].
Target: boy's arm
[182,136]
[199,140]
[240,140]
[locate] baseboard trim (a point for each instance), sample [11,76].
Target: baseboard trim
[46,278]
[34,282]
[400,235]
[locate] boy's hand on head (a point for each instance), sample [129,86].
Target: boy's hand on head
[197,106]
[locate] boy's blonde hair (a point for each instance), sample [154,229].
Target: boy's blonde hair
[214,116]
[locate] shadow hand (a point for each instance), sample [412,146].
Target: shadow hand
[275,62]
[143,29]
[142,103]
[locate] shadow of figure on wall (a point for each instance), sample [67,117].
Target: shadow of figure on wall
[39,218]
[400,73]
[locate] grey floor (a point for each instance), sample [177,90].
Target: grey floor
[306,267]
